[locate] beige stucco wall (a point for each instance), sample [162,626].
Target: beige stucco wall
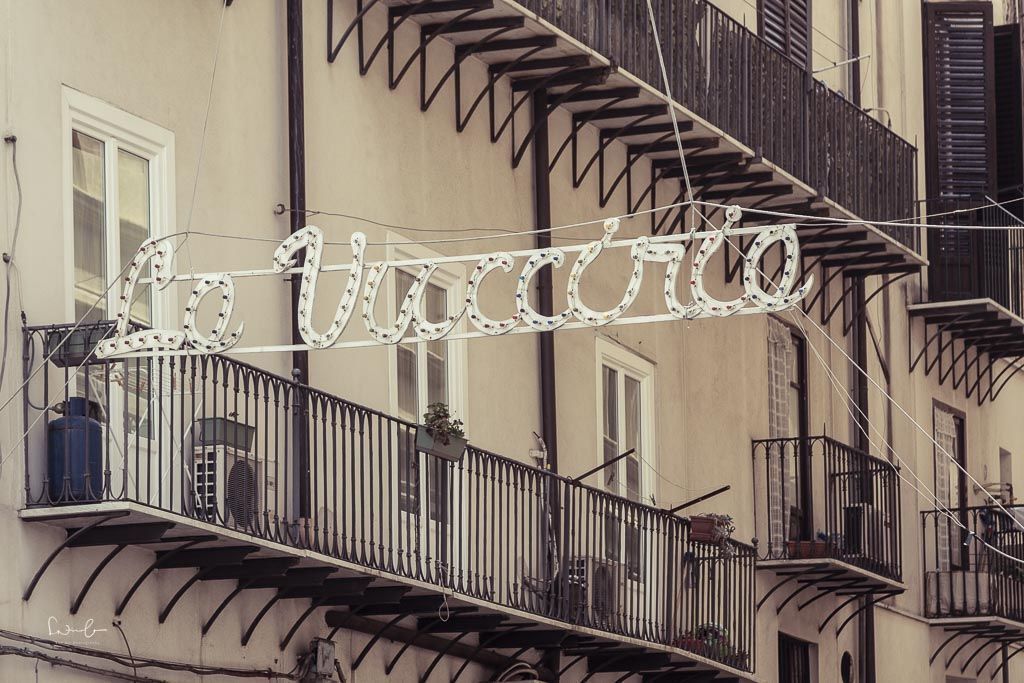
[372,153]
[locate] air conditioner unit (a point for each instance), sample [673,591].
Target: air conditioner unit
[229,487]
[229,484]
[866,530]
[596,587]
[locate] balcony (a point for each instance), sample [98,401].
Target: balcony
[973,313]
[238,474]
[974,591]
[759,130]
[831,520]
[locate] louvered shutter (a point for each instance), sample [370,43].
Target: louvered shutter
[960,135]
[786,25]
[1009,124]
[959,92]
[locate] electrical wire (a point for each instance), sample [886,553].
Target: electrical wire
[206,122]
[117,625]
[145,662]
[9,260]
[77,324]
[672,113]
[815,29]
[898,223]
[7,650]
[508,232]
[888,396]
[913,421]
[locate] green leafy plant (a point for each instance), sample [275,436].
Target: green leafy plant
[442,426]
[712,641]
[723,530]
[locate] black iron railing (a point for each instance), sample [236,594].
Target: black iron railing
[970,263]
[738,82]
[824,499]
[974,562]
[218,440]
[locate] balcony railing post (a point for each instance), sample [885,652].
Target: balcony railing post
[27,340]
[300,470]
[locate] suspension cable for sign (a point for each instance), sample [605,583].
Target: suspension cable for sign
[671,250]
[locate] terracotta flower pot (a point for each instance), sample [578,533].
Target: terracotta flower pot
[804,550]
[702,529]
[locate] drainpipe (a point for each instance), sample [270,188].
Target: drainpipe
[297,202]
[860,352]
[854,51]
[546,340]
[545,303]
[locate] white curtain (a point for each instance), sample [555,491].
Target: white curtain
[781,482]
[945,485]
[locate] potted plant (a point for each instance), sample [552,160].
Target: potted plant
[712,641]
[713,528]
[807,550]
[440,434]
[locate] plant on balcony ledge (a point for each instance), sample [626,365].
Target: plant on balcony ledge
[822,546]
[712,641]
[440,434]
[713,529]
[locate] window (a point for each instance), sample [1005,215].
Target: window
[425,373]
[789,493]
[795,660]
[119,179]
[119,191]
[786,26]
[421,379]
[625,424]
[950,484]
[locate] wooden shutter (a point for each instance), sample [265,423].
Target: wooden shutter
[960,134]
[1009,124]
[786,25]
[959,99]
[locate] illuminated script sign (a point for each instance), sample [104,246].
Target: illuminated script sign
[360,295]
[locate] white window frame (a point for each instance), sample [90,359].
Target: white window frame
[620,358]
[118,130]
[452,278]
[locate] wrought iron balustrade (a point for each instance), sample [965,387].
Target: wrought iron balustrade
[824,499]
[231,445]
[965,577]
[970,263]
[735,80]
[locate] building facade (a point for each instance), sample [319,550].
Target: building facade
[177,516]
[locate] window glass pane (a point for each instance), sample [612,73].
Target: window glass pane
[633,478]
[407,371]
[632,407]
[407,403]
[89,182]
[794,360]
[437,351]
[610,412]
[134,224]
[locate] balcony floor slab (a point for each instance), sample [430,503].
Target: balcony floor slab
[77,516]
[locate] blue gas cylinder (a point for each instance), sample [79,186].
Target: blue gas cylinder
[75,452]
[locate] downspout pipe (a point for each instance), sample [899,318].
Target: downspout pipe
[867,617]
[545,301]
[297,202]
[546,340]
